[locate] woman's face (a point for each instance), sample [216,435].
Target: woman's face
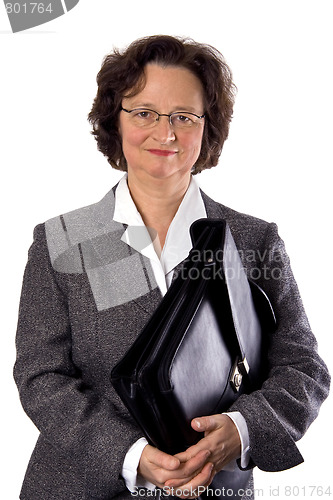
[161,151]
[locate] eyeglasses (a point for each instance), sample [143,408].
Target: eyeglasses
[142,117]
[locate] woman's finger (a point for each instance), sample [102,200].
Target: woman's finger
[195,486]
[188,470]
[161,459]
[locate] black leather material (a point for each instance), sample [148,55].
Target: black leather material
[181,364]
[227,484]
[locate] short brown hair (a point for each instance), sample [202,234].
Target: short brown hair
[122,71]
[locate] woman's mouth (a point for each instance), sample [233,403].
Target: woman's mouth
[162,152]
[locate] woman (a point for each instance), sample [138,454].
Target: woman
[95,276]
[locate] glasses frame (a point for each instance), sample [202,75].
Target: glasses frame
[163,114]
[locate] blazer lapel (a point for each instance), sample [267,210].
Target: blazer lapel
[214,210]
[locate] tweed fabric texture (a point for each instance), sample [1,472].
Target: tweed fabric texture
[70,336]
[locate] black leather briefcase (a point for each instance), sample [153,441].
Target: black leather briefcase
[203,346]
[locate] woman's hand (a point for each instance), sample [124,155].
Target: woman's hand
[221,439]
[160,468]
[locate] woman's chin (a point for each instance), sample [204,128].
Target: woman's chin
[166,169]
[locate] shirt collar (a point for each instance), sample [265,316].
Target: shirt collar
[136,234]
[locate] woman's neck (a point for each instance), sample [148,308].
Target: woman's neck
[158,202]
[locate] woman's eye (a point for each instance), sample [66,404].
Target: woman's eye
[143,114]
[183,118]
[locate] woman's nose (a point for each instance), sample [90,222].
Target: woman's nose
[163,131]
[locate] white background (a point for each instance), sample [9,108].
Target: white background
[276,164]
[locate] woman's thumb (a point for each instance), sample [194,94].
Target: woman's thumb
[203,424]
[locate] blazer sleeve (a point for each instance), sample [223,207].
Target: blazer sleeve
[280,412]
[83,426]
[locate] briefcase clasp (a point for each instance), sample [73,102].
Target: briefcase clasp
[240,369]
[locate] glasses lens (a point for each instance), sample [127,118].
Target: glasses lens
[183,120]
[143,117]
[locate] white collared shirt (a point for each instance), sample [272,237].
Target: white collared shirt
[176,248]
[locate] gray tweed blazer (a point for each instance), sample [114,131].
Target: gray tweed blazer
[86,296]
